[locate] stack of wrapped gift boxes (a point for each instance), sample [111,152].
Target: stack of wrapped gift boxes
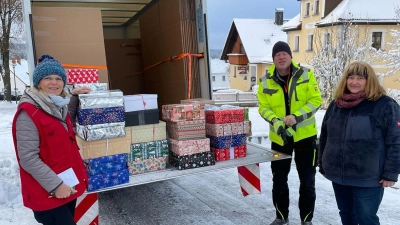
[189,147]
[100,130]
[149,144]
[227,129]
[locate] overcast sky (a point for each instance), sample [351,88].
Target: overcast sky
[220,14]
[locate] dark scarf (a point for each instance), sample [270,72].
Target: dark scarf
[350,100]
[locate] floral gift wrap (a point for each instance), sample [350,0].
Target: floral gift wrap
[105,164]
[182,112]
[147,165]
[191,161]
[101,99]
[226,129]
[229,153]
[188,147]
[227,141]
[186,129]
[100,131]
[148,150]
[101,115]
[224,115]
[93,86]
[99,181]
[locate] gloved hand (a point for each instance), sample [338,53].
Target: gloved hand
[279,128]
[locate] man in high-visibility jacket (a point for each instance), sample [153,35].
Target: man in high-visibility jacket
[289,97]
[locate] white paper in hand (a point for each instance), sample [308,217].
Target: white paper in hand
[69,177]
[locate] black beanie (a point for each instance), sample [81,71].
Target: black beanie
[281,46]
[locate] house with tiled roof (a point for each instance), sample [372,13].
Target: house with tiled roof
[319,17]
[248,48]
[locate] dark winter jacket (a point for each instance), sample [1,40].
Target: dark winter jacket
[360,146]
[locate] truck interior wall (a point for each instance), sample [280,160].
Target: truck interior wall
[124,59]
[162,31]
[133,30]
[71,35]
[114,32]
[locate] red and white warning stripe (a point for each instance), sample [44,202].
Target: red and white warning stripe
[249,179]
[87,210]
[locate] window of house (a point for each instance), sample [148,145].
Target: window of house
[296,43]
[213,78]
[310,40]
[377,40]
[316,7]
[307,10]
[223,78]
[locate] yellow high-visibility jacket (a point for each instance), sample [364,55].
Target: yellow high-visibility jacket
[304,99]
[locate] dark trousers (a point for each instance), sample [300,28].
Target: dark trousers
[305,158]
[62,215]
[358,205]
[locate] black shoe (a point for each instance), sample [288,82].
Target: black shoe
[280,222]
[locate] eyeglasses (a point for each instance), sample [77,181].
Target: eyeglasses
[50,79]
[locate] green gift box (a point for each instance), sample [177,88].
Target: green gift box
[148,150]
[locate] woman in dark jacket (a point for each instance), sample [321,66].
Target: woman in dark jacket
[360,144]
[45,146]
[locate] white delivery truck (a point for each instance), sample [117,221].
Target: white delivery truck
[138,46]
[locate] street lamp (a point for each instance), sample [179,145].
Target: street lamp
[14,62]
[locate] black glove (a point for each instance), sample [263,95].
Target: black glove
[282,132]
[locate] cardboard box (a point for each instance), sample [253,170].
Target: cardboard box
[112,146]
[189,147]
[147,165]
[147,133]
[191,161]
[229,153]
[71,35]
[140,102]
[110,179]
[82,76]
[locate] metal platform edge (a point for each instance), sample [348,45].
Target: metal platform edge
[255,154]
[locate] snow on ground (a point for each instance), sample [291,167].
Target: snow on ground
[13,213]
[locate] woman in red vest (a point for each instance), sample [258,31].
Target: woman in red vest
[46,148]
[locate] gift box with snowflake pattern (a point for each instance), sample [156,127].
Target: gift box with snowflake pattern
[99,181]
[191,161]
[105,164]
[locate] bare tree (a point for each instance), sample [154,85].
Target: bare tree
[11,22]
[334,47]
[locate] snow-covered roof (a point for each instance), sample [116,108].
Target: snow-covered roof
[363,10]
[292,23]
[258,37]
[219,66]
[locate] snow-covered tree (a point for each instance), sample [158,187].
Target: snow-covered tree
[10,38]
[394,93]
[334,47]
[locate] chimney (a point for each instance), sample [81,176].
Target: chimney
[279,16]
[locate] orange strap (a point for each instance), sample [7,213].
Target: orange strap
[84,66]
[171,58]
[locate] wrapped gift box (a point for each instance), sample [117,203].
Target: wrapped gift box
[101,99]
[227,141]
[226,129]
[228,115]
[140,102]
[77,76]
[229,153]
[100,115]
[188,147]
[191,161]
[147,165]
[182,112]
[105,164]
[112,146]
[100,131]
[247,128]
[93,86]
[186,129]
[110,179]
[148,150]
[141,117]
[146,133]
